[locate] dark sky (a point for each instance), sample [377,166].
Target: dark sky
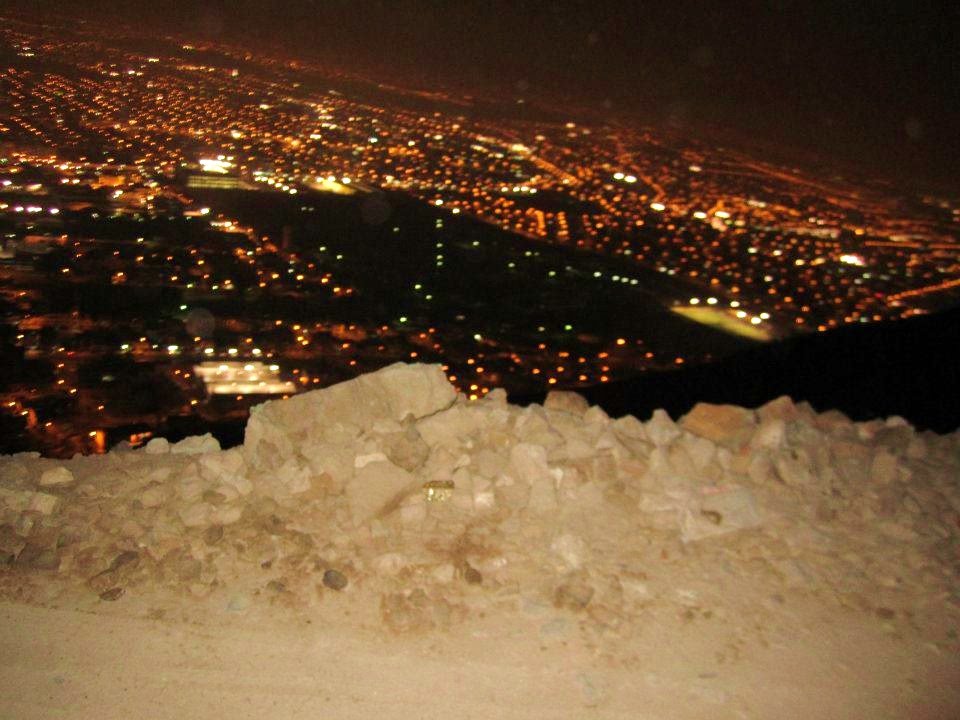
[871,81]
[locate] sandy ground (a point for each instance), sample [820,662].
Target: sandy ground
[161,660]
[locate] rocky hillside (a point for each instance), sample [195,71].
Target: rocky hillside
[431,511]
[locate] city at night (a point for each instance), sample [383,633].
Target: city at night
[493,360]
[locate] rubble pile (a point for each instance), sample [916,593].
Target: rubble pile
[432,509]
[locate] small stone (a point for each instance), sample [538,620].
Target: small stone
[335,580]
[43,503]
[573,596]
[213,534]
[277,586]
[153,497]
[565,401]
[56,477]
[125,558]
[885,613]
[10,542]
[471,575]
[114,593]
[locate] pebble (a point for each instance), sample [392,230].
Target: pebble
[573,596]
[335,580]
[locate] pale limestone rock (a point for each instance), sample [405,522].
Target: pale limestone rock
[884,468]
[484,497]
[528,463]
[221,466]
[543,494]
[14,471]
[761,469]
[701,451]
[389,564]
[444,573]
[440,465]
[680,462]
[496,397]
[723,424]
[43,503]
[292,478]
[661,429]
[852,461]
[376,489]
[489,463]
[511,493]
[277,428]
[629,427]
[782,408]
[157,446]
[835,423]
[361,461]
[196,515]
[448,426]
[335,459]
[571,550]
[577,449]
[770,435]
[793,470]
[226,514]
[407,449]
[718,511]
[565,401]
[240,483]
[154,496]
[191,486]
[56,477]
[14,501]
[196,445]
[533,428]
[597,416]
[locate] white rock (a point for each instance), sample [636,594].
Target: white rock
[56,477]
[629,427]
[363,460]
[375,488]
[568,402]
[226,514]
[483,494]
[196,445]
[771,434]
[596,416]
[43,503]
[293,477]
[444,573]
[389,564]
[571,549]
[221,465]
[153,497]
[661,429]
[718,511]
[196,515]
[277,428]
[157,446]
[528,463]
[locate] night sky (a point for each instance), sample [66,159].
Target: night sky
[873,83]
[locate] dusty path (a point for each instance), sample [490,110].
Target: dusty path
[70,664]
